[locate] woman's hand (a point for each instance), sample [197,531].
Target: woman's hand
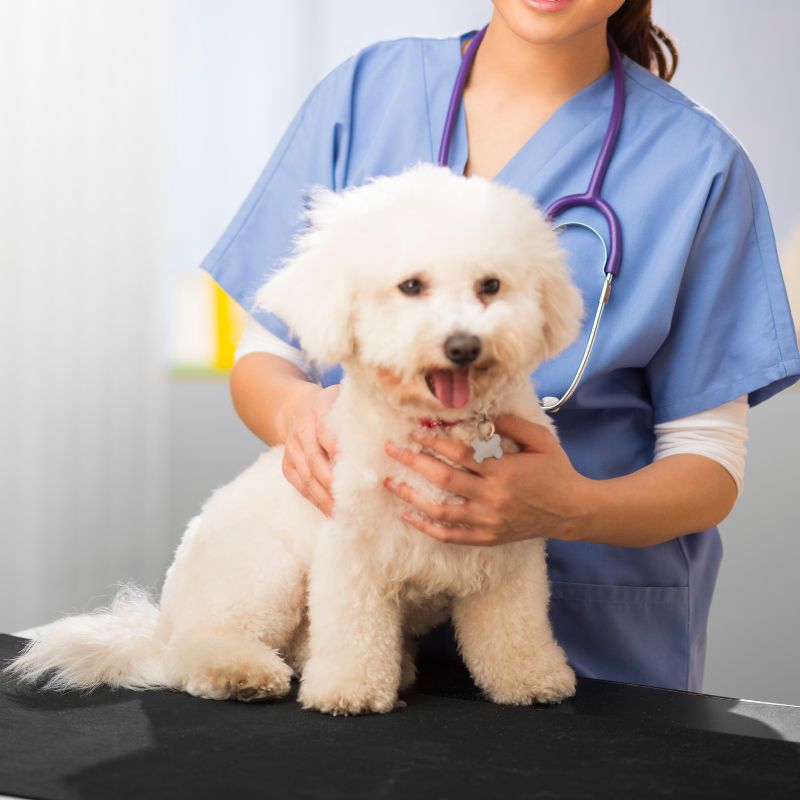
[533,493]
[310,448]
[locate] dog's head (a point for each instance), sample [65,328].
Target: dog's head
[443,291]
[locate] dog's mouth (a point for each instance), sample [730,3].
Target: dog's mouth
[449,386]
[454,388]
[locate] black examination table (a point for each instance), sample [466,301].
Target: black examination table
[610,741]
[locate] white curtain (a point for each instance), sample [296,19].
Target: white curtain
[130,132]
[83,162]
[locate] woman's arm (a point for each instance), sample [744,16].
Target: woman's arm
[677,495]
[277,402]
[267,392]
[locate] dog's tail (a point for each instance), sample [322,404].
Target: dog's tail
[115,646]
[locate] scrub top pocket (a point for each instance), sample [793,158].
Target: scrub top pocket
[642,631]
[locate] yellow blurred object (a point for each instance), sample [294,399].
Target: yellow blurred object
[790,264]
[229,324]
[205,328]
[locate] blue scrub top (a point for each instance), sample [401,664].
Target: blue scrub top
[699,314]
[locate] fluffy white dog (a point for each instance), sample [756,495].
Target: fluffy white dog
[439,295]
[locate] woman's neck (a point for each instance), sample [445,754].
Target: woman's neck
[553,72]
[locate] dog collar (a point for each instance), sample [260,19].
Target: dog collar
[487,444]
[429,422]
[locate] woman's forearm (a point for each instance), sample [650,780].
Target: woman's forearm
[266,389]
[676,495]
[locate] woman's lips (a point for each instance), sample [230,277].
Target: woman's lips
[547,5]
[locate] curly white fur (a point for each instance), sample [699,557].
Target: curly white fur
[262,584]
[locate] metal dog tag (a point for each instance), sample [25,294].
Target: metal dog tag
[487,445]
[486,448]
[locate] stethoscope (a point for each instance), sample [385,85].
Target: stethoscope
[612,255]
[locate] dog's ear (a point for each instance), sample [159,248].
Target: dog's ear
[311,293]
[562,305]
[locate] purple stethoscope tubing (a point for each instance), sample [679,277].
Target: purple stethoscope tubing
[591,198]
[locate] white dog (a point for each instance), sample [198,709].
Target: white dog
[439,295]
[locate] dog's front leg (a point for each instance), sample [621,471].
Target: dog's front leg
[506,639]
[355,634]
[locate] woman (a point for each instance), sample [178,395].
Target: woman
[652,443]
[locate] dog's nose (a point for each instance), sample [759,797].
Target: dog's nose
[462,348]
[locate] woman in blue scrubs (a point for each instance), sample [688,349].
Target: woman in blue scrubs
[699,317]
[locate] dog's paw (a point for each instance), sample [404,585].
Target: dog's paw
[548,682]
[345,698]
[249,682]
[346,702]
[408,670]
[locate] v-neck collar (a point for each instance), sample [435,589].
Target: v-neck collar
[588,107]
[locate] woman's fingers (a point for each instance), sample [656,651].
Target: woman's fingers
[530,436]
[451,534]
[439,473]
[320,465]
[447,513]
[458,452]
[310,450]
[309,456]
[309,487]
[308,468]
[325,438]
[327,441]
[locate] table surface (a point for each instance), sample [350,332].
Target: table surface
[611,740]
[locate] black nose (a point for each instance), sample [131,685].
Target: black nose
[462,349]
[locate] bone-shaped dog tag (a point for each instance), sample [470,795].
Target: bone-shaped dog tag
[486,448]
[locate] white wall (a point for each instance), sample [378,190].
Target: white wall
[83,174]
[739,59]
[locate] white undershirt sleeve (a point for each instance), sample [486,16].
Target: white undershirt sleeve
[256,338]
[719,433]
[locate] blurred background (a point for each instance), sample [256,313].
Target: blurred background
[130,133]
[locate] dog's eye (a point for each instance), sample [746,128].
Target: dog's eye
[411,287]
[489,286]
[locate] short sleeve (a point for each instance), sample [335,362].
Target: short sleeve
[731,331]
[261,233]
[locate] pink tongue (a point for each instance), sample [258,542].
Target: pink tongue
[451,387]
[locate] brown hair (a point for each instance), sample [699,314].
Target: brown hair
[638,38]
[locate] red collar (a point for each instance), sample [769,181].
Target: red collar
[428,422]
